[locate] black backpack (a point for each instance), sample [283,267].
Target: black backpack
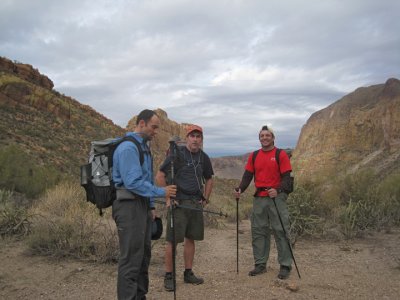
[96,176]
[277,153]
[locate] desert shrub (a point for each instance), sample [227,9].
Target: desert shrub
[222,199]
[328,200]
[14,218]
[21,173]
[389,191]
[304,210]
[65,224]
[367,204]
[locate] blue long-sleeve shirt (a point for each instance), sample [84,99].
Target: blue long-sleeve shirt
[128,172]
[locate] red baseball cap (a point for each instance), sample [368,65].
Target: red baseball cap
[192,128]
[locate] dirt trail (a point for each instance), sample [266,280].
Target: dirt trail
[358,269]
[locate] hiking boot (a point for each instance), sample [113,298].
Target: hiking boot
[284,272]
[258,269]
[169,282]
[189,277]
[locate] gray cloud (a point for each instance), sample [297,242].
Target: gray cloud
[230,66]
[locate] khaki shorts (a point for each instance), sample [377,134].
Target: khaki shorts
[188,223]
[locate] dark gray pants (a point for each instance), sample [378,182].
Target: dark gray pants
[133,219]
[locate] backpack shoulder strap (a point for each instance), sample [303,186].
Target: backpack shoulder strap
[253,161]
[277,154]
[139,147]
[254,156]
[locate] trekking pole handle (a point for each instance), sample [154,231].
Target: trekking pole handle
[238,191]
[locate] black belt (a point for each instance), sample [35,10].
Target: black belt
[265,189]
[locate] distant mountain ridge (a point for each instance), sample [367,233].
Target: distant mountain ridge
[230,167]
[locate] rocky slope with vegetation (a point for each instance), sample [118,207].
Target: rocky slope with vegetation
[47,134]
[44,135]
[49,128]
[359,131]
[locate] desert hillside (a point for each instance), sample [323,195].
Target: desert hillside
[231,167]
[361,130]
[54,129]
[51,128]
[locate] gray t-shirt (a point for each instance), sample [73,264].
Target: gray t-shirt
[190,170]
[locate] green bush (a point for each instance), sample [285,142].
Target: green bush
[65,224]
[14,218]
[21,173]
[304,207]
[389,195]
[368,204]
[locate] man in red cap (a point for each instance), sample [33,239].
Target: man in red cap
[192,169]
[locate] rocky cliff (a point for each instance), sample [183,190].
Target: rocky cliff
[361,130]
[53,129]
[25,72]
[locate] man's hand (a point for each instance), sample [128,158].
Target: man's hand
[203,201]
[237,192]
[170,191]
[272,193]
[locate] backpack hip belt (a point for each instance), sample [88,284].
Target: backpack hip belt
[123,193]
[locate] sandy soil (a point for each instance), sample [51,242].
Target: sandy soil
[368,268]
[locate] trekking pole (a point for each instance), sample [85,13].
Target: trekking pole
[237,233]
[219,213]
[287,237]
[173,247]
[171,206]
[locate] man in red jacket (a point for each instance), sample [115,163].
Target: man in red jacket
[271,180]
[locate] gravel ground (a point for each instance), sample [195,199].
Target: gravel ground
[367,268]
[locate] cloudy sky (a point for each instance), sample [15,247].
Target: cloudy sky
[229,66]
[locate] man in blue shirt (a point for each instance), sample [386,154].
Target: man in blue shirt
[133,210]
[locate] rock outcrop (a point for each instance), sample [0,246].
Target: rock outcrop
[361,130]
[25,72]
[53,129]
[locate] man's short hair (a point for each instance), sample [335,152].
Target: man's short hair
[145,115]
[265,127]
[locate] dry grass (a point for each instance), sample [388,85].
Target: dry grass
[66,225]
[14,218]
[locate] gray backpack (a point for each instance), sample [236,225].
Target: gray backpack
[96,176]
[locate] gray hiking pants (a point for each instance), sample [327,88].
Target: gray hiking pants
[133,219]
[264,218]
